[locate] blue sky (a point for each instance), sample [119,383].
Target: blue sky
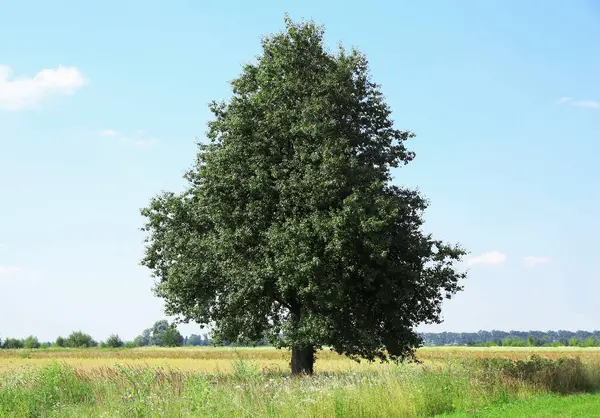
[101,103]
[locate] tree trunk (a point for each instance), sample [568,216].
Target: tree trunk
[303,360]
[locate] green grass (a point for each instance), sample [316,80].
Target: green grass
[248,389]
[542,406]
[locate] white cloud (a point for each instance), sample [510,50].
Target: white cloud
[27,92]
[109,132]
[9,271]
[590,104]
[137,140]
[492,257]
[531,261]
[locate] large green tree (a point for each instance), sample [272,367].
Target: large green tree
[290,228]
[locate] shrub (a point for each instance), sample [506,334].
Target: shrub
[60,342]
[78,339]
[564,375]
[31,342]
[114,341]
[12,343]
[172,338]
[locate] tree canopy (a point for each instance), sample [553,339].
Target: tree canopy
[290,228]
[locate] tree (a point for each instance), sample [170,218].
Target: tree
[143,339]
[31,342]
[171,337]
[114,341]
[78,339]
[158,330]
[12,343]
[290,223]
[194,340]
[60,342]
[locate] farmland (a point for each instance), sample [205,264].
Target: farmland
[256,382]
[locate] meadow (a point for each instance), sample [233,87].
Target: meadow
[256,382]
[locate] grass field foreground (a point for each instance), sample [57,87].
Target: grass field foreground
[131,383]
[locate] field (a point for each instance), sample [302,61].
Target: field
[255,382]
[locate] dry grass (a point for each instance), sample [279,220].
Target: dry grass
[220,360]
[185,382]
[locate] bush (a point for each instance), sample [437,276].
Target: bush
[12,343]
[78,339]
[31,342]
[60,342]
[114,341]
[172,338]
[564,375]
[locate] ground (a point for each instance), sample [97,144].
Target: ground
[255,382]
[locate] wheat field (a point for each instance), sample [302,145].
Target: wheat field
[256,382]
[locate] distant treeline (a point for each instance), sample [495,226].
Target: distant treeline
[163,334]
[514,338]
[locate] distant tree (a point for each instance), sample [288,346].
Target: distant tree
[60,342]
[31,342]
[143,339]
[114,341]
[130,344]
[195,340]
[158,330]
[171,337]
[291,223]
[78,339]
[12,343]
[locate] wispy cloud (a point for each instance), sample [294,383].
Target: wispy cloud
[12,272]
[531,261]
[9,271]
[137,140]
[109,132]
[491,257]
[590,104]
[22,93]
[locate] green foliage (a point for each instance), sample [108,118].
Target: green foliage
[78,339]
[158,330]
[12,343]
[390,391]
[60,342]
[31,342]
[143,339]
[42,392]
[114,341]
[171,337]
[161,334]
[290,225]
[130,344]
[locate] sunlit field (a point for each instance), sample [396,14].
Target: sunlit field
[222,360]
[256,382]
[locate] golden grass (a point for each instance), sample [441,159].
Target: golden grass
[182,382]
[221,359]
